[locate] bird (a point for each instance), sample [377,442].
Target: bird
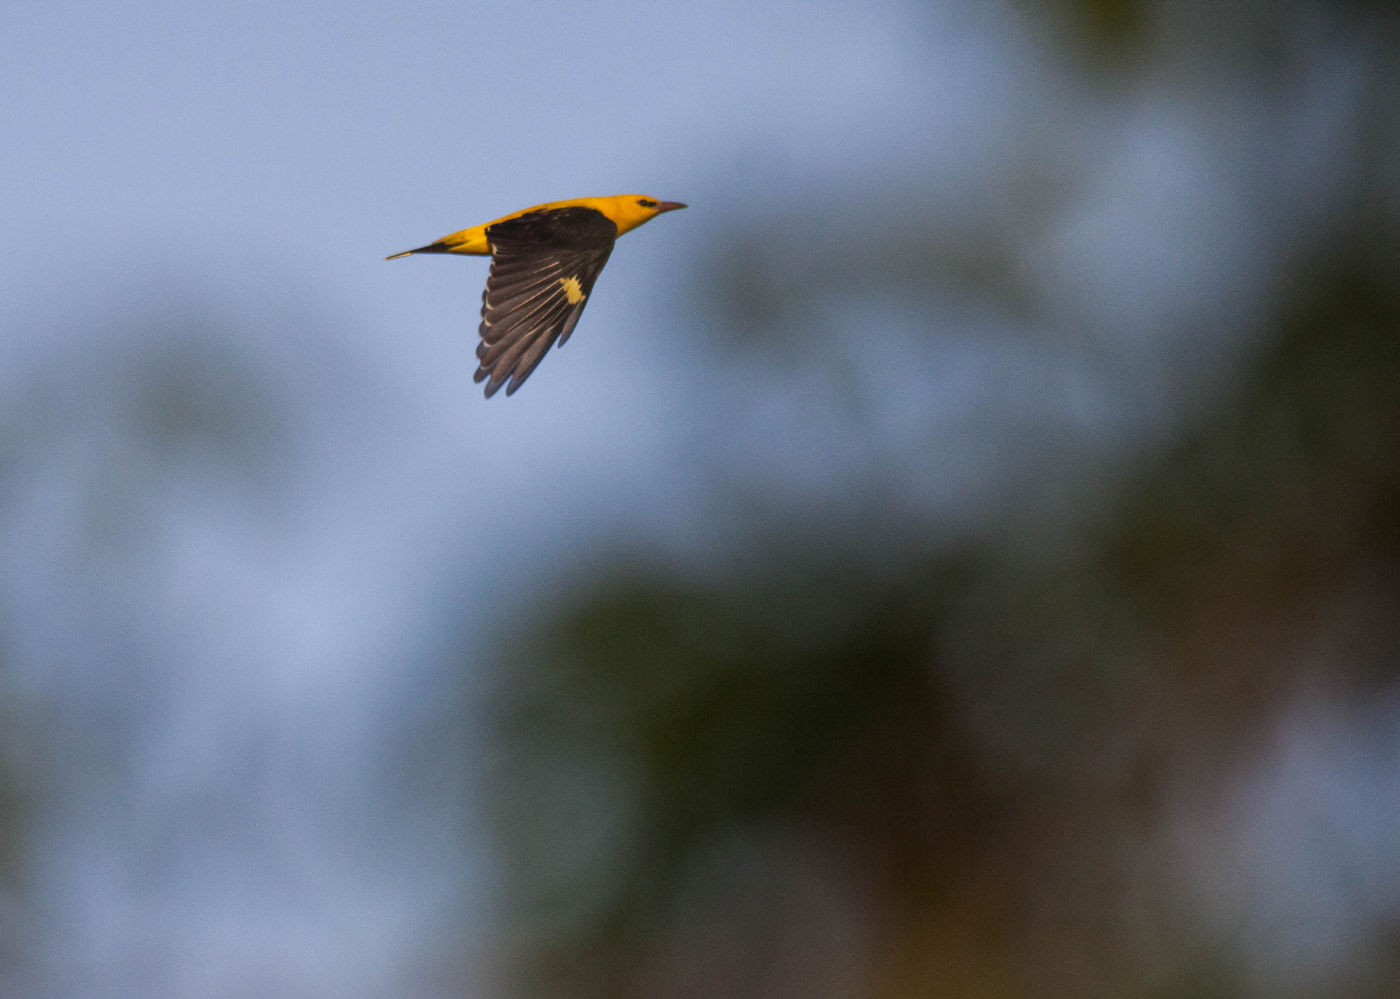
[544,261]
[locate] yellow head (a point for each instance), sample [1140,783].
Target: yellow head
[631,210]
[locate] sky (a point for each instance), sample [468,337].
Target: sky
[217,185]
[222,647]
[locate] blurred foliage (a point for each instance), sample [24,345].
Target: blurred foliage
[102,446]
[13,795]
[858,758]
[1292,482]
[20,788]
[1109,29]
[1122,34]
[955,726]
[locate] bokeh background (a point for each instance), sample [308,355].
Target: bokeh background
[959,556]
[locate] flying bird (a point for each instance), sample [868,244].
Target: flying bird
[544,261]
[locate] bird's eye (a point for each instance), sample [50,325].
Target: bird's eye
[646,202]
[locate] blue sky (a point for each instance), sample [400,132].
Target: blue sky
[221,668]
[242,658]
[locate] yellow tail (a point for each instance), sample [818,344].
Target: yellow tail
[441,246]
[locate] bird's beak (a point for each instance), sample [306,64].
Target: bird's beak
[668,206]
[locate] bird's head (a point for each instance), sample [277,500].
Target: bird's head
[631,210]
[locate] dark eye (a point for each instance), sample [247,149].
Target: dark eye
[646,202]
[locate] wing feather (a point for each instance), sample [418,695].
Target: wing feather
[543,267]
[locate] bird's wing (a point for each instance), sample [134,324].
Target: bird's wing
[543,265]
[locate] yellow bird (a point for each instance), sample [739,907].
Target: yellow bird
[544,261]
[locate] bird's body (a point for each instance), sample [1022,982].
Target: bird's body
[544,261]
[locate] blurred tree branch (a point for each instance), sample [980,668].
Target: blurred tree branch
[869,758]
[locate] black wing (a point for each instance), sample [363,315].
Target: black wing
[543,265]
